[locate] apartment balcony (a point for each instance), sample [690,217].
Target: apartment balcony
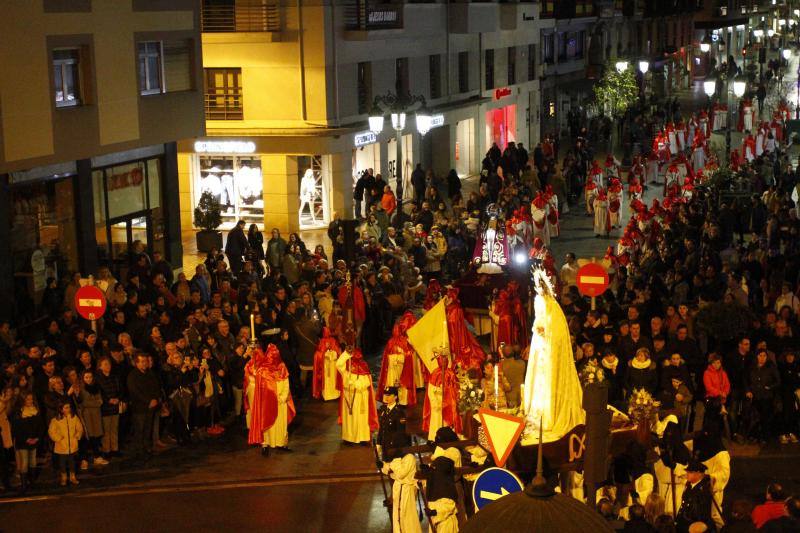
[240,16]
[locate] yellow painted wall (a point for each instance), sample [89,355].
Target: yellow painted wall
[281,194]
[271,78]
[185,190]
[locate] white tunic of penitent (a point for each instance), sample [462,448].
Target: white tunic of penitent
[404,494]
[394,371]
[329,390]
[435,399]
[278,435]
[355,411]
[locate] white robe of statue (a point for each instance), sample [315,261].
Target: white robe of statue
[551,368]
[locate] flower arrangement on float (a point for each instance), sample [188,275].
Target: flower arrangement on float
[643,410]
[470,395]
[591,373]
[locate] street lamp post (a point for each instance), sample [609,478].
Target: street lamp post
[644,66]
[398,105]
[739,87]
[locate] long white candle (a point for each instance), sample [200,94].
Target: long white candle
[252,326]
[496,389]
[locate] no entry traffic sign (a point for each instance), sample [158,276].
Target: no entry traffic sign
[90,302]
[592,279]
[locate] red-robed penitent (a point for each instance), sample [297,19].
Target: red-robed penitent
[399,341]
[267,369]
[463,345]
[327,342]
[445,378]
[432,294]
[358,367]
[359,307]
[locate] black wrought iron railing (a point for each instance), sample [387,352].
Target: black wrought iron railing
[240,16]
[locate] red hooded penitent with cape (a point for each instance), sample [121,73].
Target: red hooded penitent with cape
[465,348]
[359,367]
[445,378]
[267,370]
[327,342]
[399,340]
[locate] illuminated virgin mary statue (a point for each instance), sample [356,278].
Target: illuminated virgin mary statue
[491,247]
[553,392]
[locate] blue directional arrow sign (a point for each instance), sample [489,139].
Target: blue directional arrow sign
[492,484]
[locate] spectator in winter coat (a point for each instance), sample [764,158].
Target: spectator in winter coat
[65,431]
[715,380]
[763,384]
[276,248]
[27,427]
[675,366]
[773,507]
[111,393]
[642,373]
[614,375]
[789,369]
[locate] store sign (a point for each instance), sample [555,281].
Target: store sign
[437,120]
[502,93]
[224,147]
[364,138]
[131,178]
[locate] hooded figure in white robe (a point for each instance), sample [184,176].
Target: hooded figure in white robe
[404,494]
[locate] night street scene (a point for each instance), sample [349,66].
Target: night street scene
[339,265]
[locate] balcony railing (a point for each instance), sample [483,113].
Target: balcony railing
[224,104]
[241,16]
[363,16]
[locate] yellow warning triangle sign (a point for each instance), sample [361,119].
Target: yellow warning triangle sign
[502,432]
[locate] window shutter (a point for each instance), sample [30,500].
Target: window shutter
[178,65]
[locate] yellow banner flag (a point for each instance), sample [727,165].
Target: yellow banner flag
[429,333]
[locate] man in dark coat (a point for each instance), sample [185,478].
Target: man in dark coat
[696,502]
[358,191]
[144,392]
[392,436]
[236,246]
[418,182]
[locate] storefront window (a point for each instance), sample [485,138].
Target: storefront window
[237,184]
[124,196]
[126,189]
[366,157]
[465,147]
[42,219]
[501,126]
[154,182]
[312,188]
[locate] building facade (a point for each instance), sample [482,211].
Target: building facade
[290,85]
[94,96]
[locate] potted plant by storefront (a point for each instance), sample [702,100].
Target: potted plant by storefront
[208,217]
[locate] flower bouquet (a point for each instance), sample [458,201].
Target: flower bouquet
[470,395]
[643,410]
[591,373]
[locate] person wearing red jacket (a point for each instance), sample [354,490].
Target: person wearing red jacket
[715,379]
